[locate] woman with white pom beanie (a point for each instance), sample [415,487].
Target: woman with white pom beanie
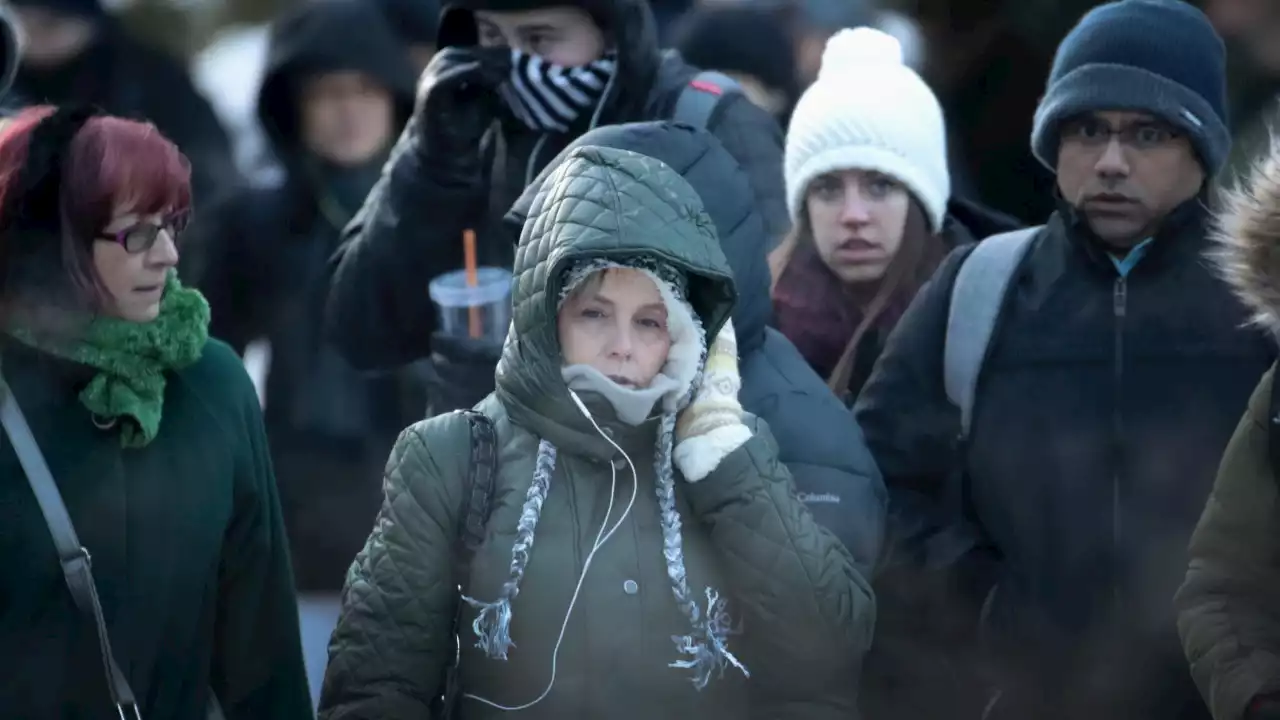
[870,199]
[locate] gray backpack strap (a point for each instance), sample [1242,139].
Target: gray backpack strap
[699,99]
[76,563]
[976,299]
[481,479]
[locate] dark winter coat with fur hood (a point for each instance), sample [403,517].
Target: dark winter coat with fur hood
[1228,605]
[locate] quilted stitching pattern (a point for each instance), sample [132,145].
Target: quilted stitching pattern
[1226,618]
[398,604]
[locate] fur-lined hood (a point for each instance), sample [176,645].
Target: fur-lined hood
[1247,240]
[607,204]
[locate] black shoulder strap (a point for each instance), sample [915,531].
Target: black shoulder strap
[76,564]
[481,473]
[484,461]
[701,97]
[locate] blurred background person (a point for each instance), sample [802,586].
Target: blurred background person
[750,43]
[336,92]
[229,72]
[416,22]
[75,51]
[986,61]
[815,21]
[1251,29]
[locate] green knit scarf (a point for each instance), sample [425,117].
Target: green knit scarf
[132,359]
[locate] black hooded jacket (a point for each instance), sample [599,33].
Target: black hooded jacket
[817,439]
[411,228]
[261,259]
[129,79]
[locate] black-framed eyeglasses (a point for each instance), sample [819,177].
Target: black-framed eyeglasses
[1094,133]
[142,237]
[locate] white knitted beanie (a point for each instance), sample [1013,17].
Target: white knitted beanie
[869,111]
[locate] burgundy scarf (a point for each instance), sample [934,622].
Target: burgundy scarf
[819,313]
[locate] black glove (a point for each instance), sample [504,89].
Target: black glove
[461,373]
[457,101]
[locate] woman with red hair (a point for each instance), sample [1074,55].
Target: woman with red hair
[130,438]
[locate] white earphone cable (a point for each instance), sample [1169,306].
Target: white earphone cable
[601,538]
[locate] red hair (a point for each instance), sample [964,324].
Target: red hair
[112,164]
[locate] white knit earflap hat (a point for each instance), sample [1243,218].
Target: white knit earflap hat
[869,111]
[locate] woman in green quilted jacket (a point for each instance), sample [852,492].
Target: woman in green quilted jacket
[644,554]
[153,437]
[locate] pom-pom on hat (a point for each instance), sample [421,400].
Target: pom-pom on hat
[869,111]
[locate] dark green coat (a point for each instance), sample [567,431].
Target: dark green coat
[1227,606]
[806,613]
[188,553]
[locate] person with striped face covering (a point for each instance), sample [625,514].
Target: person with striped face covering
[513,84]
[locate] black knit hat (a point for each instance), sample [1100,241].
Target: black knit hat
[415,21]
[91,9]
[1156,56]
[457,21]
[745,39]
[31,217]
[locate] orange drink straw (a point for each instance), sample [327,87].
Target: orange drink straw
[473,278]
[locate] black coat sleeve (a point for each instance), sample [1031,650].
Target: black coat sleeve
[913,429]
[409,231]
[936,569]
[910,425]
[755,140]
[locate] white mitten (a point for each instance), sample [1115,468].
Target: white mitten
[711,427]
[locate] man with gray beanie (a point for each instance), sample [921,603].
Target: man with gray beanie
[1113,364]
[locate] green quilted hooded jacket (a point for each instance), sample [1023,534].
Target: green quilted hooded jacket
[646,637]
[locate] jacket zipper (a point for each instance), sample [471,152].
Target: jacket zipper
[1119,307]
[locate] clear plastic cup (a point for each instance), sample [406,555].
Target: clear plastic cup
[484,308]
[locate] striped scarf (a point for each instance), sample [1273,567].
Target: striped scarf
[548,97]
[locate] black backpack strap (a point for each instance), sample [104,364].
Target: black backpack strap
[484,462]
[481,474]
[702,96]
